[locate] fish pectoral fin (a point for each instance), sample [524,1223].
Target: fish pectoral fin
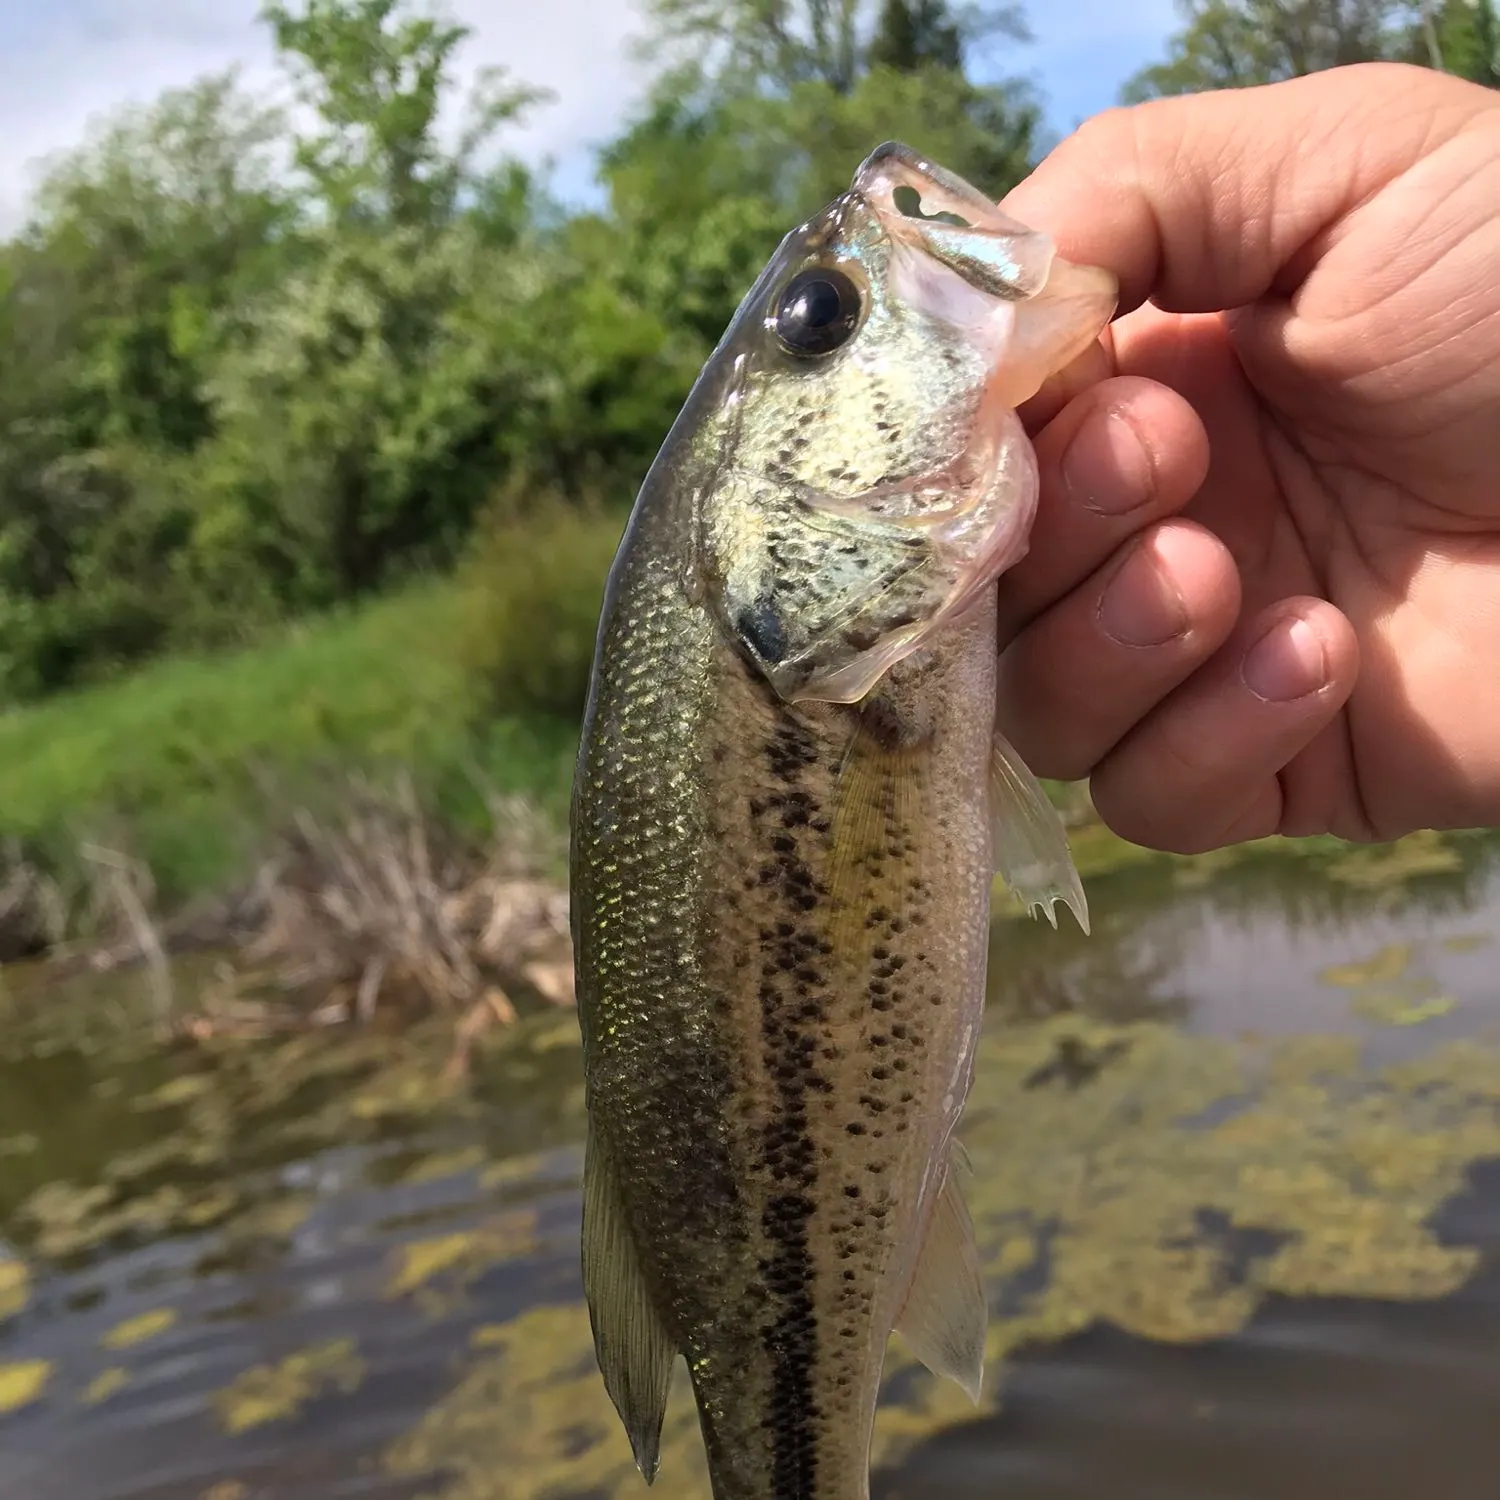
[1027,838]
[945,1315]
[634,1350]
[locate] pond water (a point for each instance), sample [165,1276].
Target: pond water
[1235,1184]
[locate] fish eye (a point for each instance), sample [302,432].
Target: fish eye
[817,312]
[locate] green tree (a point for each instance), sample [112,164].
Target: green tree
[354,440]
[1460,37]
[782,43]
[912,33]
[1236,43]
[765,116]
[109,323]
[376,73]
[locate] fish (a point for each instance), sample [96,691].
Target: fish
[789,807]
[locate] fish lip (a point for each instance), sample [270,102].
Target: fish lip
[894,164]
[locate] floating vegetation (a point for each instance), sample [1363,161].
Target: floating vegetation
[1391,962]
[1467,942]
[1401,1008]
[227,1489]
[15,1288]
[1128,1171]
[105,1384]
[1383,865]
[440,1269]
[23,1383]
[215,1130]
[274,1393]
[440,1164]
[1385,990]
[1099,1196]
[140,1329]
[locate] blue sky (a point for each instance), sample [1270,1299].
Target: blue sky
[65,61]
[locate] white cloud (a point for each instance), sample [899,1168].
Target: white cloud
[62,64]
[68,60]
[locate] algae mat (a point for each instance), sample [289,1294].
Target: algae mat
[1128,1174]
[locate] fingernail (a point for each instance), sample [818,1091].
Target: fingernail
[1286,663]
[1141,605]
[1106,467]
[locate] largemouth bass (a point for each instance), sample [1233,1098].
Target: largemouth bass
[789,807]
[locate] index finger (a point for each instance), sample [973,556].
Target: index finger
[1206,202]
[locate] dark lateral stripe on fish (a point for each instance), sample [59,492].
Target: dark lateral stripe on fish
[791,982]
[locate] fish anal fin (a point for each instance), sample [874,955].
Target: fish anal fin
[945,1316]
[634,1350]
[1028,841]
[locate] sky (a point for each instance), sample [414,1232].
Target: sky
[64,62]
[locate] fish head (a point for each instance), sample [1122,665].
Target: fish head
[871,477]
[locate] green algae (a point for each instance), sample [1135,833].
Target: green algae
[23,1383]
[140,1329]
[15,1288]
[104,1385]
[1168,1190]
[1390,963]
[232,1113]
[455,1261]
[1126,1173]
[278,1392]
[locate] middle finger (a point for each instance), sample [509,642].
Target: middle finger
[1125,453]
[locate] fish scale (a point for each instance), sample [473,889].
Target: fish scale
[786,820]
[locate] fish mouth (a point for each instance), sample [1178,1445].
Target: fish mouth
[964,259]
[965,262]
[926,208]
[1029,311]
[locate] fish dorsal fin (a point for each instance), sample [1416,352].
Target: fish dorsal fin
[945,1315]
[1027,838]
[634,1350]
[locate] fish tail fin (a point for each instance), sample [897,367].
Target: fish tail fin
[634,1350]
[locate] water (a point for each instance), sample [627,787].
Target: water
[1237,1183]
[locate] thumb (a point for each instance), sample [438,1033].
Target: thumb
[1206,202]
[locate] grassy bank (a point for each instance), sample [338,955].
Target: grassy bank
[462,687]
[186,762]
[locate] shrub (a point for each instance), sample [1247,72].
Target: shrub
[532,588]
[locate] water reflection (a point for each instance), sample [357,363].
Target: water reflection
[1206,1141]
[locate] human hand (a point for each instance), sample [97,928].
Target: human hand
[1263,591]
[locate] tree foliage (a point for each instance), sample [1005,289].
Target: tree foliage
[779,44]
[259,363]
[1238,43]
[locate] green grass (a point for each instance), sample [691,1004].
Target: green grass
[174,761]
